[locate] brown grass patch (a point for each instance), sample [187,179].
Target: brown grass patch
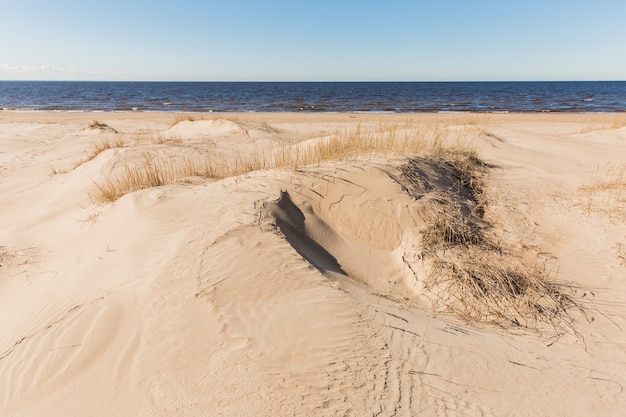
[606,193]
[480,284]
[342,146]
[471,274]
[96,125]
[156,171]
[96,147]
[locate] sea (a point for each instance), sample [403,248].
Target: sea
[368,97]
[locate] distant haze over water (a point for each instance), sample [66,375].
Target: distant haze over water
[394,97]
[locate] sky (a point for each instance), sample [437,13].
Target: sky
[296,40]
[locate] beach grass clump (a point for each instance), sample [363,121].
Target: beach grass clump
[482,285]
[471,274]
[360,142]
[348,144]
[606,193]
[156,171]
[458,202]
[102,144]
[449,224]
[187,118]
[613,179]
[169,138]
[604,122]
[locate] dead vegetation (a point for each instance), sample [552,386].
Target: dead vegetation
[604,122]
[606,193]
[341,146]
[471,274]
[187,118]
[104,143]
[480,284]
[155,171]
[5,256]
[10,256]
[96,125]
[109,140]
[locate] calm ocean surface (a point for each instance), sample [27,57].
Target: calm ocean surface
[395,97]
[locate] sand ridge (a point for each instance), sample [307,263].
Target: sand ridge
[186,299]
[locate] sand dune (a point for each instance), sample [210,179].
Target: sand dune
[304,291]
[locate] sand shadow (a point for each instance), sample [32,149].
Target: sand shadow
[290,220]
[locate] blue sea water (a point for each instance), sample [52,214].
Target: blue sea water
[395,97]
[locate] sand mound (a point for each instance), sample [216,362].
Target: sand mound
[360,221]
[199,129]
[406,233]
[225,137]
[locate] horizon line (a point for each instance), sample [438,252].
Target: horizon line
[317,81]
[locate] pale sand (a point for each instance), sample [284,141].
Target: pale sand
[183,300]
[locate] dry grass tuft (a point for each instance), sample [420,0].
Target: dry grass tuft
[602,123]
[606,194]
[101,145]
[450,224]
[171,138]
[187,118]
[156,171]
[613,179]
[343,145]
[349,144]
[471,275]
[96,125]
[480,284]
[57,171]
[457,209]
[5,256]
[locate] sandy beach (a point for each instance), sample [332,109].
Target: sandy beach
[287,264]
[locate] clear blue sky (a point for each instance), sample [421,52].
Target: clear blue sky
[313,40]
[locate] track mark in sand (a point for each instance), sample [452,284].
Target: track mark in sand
[35,333]
[393,315]
[401,377]
[399,386]
[524,365]
[455,330]
[403,330]
[67,314]
[15,345]
[611,381]
[66,347]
